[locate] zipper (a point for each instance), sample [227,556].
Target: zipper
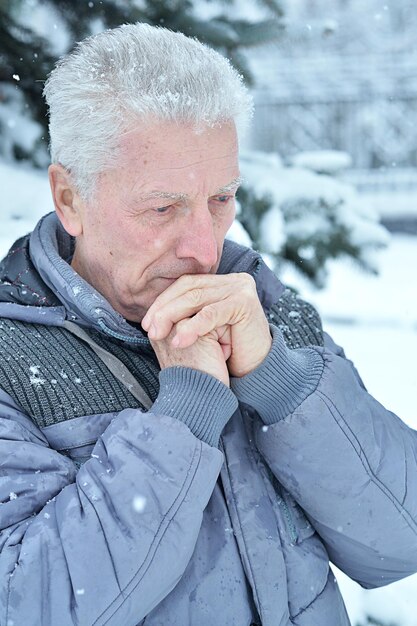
[126,338]
[287,515]
[289,520]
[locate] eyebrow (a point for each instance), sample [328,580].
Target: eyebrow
[167,195]
[236,182]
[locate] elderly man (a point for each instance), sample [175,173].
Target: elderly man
[180,442]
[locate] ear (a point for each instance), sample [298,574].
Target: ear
[68,204]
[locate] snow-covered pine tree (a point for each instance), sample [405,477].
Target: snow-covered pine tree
[295,215]
[33,33]
[25,59]
[303,227]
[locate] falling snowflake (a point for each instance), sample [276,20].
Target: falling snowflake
[139,504]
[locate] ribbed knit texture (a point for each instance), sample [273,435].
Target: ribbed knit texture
[298,321]
[282,382]
[141,361]
[199,400]
[54,376]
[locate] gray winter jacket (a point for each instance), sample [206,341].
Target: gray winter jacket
[216,506]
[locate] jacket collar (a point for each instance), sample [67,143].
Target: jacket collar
[51,250]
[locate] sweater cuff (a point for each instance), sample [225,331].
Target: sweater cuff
[198,399]
[281,382]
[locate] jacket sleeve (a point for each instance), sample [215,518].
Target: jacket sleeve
[106,544]
[349,463]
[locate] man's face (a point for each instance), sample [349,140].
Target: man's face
[163,212]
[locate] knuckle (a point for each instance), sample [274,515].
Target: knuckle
[195,295]
[243,278]
[179,326]
[207,314]
[248,280]
[182,279]
[158,317]
[186,281]
[247,285]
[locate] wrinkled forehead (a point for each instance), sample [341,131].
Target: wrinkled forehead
[165,155]
[159,138]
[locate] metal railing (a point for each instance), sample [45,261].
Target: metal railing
[378,132]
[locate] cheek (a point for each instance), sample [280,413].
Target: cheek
[136,254]
[101,234]
[224,221]
[119,239]
[231,217]
[158,244]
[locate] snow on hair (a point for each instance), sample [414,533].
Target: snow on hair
[123,76]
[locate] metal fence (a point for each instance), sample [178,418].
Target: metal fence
[383,180]
[379,132]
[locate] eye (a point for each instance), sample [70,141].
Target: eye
[163,209]
[222,199]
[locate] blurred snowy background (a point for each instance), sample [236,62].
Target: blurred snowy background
[330,167]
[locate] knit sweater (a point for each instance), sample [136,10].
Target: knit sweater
[55,376]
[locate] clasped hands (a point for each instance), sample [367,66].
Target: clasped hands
[210,322]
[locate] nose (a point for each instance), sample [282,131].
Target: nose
[197,240]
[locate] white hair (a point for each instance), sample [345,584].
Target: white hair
[124,76]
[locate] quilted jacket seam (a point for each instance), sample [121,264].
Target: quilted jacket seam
[182,496]
[367,467]
[89,441]
[255,590]
[312,602]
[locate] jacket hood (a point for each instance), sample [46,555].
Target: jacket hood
[37,283]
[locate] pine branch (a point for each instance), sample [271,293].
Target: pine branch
[218,33]
[273,5]
[258,33]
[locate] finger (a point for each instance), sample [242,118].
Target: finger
[161,318]
[211,317]
[184,284]
[224,337]
[184,306]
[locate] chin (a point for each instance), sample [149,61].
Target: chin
[132,311]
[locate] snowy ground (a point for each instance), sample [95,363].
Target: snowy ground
[374,318]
